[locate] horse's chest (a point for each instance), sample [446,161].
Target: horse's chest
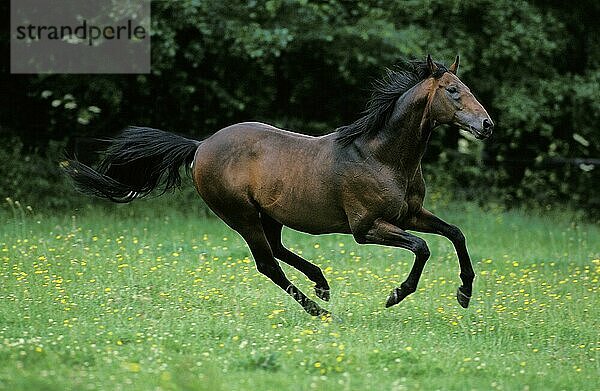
[402,204]
[380,190]
[406,198]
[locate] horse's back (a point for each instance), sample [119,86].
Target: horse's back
[244,132]
[251,143]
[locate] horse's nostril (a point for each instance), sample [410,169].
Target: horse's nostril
[488,125]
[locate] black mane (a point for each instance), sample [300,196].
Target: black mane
[383,98]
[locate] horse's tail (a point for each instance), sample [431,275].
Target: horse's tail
[137,162]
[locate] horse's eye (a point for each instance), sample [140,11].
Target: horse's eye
[452,89]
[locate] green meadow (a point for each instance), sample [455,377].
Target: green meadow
[143,298]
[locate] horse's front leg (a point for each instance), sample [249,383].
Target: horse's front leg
[382,232]
[425,221]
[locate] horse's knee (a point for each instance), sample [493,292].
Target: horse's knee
[421,249]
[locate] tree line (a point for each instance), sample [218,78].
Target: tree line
[308,65]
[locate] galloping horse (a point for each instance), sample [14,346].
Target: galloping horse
[363,179]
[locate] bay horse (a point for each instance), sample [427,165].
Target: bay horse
[363,179]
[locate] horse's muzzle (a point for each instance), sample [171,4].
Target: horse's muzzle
[483,131]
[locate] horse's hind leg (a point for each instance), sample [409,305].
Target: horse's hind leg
[272,230]
[251,229]
[255,236]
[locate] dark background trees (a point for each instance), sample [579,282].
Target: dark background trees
[307,65]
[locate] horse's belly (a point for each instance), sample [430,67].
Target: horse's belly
[314,224]
[311,215]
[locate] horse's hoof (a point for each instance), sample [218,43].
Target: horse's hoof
[398,294]
[462,298]
[313,309]
[320,312]
[322,293]
[393,298]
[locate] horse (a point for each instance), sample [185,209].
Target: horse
[363,179]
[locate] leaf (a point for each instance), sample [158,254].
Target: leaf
[581,140]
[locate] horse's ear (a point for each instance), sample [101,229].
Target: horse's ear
[431,65]
[454,67]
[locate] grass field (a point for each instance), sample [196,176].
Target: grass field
[165,301]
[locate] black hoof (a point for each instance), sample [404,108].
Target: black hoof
[463,298]
[394,298]
[320,312]
[322,293]
[397,295]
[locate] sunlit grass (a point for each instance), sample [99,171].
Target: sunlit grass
[100,301]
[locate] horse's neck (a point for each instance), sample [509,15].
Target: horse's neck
[402,143]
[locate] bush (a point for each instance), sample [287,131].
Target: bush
[34,182]
[34,179]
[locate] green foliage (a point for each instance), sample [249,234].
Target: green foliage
[306,65]
[28,178]
[33,184]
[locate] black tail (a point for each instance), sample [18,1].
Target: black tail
[137,162]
